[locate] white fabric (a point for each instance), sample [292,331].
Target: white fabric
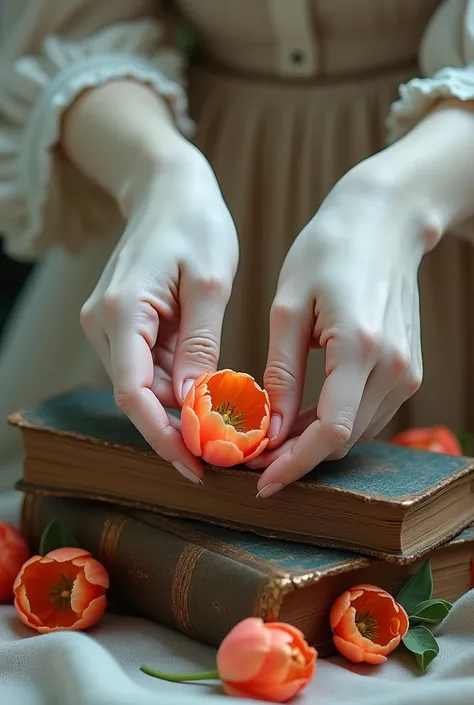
[447,63]
[102,667]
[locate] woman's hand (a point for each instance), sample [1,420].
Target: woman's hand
[348,285]
[156,314]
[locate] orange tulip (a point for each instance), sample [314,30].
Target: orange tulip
[63,590]
[367,624]
[225,418]
[266,661]
[437,439]
[14,552]
[269,662]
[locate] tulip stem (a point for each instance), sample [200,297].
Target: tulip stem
[180,677]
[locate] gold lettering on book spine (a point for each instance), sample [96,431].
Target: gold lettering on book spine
[182,578]
[110,537]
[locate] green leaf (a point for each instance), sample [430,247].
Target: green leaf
[467,443]
[56,536]
[430,611]
[419,588]
[421,642]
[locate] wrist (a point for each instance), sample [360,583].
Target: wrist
[180,162]
[119,133]
[432,166]
[408,210]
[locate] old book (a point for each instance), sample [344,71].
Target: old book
[381,500]
[202,579]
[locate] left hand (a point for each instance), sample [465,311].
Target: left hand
[349,285]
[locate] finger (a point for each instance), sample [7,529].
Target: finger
[384,378]
[96,336]
[338,404]
[290,337]
[269,456]
[162,388]
[132,375]
[410,382]
[303,420]
[408,386]
[203,306]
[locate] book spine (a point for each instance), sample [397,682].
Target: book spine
[154,573]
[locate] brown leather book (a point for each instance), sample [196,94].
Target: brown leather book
[203,579]
[381,500]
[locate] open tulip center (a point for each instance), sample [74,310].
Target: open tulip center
[231,416]
[366,624]
[238,400]
[60,592]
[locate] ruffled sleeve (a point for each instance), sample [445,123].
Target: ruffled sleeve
[447,66]
[44,200]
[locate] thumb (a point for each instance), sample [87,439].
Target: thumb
[290,337]
[198,346]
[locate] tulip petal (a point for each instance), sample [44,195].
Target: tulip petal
[339,608]
[259,449]
[91,614]
[96,573]
[190,429]
[277,663]
[84,592]
[203,403]
[404,621]
[374,659]
[26,617]
[213,427]
[350,651]
[66,554]
[243,651]
[272,692]
[23,608]
[222,453]
[265,423]
[293,634]
[347,629]
[19,577]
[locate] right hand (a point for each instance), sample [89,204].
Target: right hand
[156,314]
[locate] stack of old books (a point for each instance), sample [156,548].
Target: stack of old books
[200,559]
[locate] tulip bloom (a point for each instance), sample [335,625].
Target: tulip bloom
[437,439]
[265,661]
[225,418]
[14,552]
[367,624]
[63,590]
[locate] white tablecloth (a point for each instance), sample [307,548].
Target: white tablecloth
[102,667]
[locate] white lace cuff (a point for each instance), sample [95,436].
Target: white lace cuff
[42,202]
[418,96]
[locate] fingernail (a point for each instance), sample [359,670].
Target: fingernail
[187,384]
[274,427]
[187,473]
[270,489]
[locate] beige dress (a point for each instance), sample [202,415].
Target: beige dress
[287,95]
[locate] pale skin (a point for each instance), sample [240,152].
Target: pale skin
[348,284]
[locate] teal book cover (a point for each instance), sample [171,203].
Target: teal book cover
[383,500]
[377,470]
